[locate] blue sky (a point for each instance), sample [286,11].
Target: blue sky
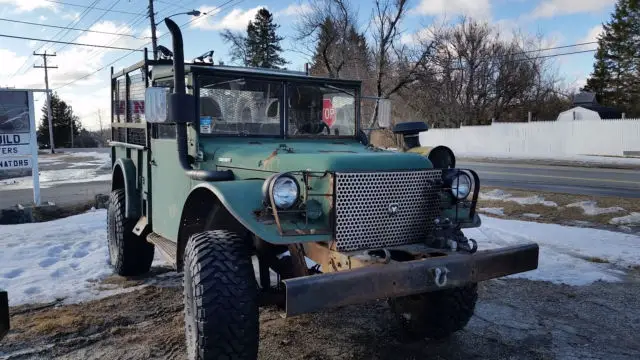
[560,22]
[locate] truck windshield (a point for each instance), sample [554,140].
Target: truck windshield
[239,106]
[245,107]
[315,110]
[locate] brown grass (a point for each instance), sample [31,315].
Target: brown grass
[560,214]
[598,260]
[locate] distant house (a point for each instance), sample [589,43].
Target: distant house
[586,107]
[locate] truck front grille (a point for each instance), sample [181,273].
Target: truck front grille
[381,209]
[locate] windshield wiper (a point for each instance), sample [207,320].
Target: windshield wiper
[339,89]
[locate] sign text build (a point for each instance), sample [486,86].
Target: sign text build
[15,144]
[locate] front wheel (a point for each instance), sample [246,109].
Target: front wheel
[220,298]
[129,254]
[435,315]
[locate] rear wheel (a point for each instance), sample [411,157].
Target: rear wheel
[435,315]
[220,298]
[129,254]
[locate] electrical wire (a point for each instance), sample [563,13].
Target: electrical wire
[140,49]
[95,8]
[70,28]
[73,22]
[93,23]
[68,43]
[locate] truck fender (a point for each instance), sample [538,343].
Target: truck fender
[124,176]
[243,200]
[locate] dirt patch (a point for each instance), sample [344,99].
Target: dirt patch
[561,214]
[560,322]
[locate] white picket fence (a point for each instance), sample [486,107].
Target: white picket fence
[579,137]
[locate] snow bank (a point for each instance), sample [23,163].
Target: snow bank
[564,251]
[631,219]
[532,216]
[45,261]
[591,208]
[493,211]
[500,195]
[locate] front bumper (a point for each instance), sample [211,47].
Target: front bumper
[4,314]
[316,292]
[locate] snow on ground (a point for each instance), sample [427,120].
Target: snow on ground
[584,159]
[531,215]
[631,219]
[565,252]
[500,195]
[65,258]
[492,211]
[590,207]
[45,261]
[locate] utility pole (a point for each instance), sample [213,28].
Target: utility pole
[154,39]
[46,83]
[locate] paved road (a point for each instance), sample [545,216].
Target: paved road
[64,194]
[563,179]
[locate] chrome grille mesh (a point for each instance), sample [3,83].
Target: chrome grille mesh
[365,204]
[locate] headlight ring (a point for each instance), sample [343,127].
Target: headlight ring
[283,189]
[461,185]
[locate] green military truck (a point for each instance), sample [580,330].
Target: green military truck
[223,168]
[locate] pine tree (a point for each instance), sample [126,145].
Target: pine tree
[61,117]
[262,43]
[616,72]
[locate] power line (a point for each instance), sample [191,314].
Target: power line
[552,48]
[75,21]
[69,28]
[140,49]
[68,43]
[95,8]
[94,22]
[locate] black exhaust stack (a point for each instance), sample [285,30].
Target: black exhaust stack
[182,110]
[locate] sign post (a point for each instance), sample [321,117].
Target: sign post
[18,137]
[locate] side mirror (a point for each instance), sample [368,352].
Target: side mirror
[155,104]
[384,113]
[410,132]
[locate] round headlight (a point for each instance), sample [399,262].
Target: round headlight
[285,191]
[461,186]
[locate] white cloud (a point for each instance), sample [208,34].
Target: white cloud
[473,8]
[551,8]
[593,34]
[424,34]
[29,5]
[295,10]
[236,19]
[42,18]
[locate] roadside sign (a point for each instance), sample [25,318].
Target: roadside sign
[18,139]
[14,163]
[15,144]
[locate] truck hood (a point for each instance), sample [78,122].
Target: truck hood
[242,155]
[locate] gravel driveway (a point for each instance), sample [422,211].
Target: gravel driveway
[515,319]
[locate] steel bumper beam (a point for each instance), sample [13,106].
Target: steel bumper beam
[4,314]
[316,292]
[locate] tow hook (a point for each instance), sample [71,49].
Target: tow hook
[464,246]
[440,276]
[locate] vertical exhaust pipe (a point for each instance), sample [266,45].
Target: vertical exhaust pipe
[182,110]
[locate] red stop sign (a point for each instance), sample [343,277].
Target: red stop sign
[328,112]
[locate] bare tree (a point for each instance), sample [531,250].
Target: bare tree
[396,64]
[328,31]
[238,42]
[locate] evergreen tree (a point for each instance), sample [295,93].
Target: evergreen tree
[262,43]
[616,72]
[62,118]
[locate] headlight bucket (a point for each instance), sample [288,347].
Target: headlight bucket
[281,190]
